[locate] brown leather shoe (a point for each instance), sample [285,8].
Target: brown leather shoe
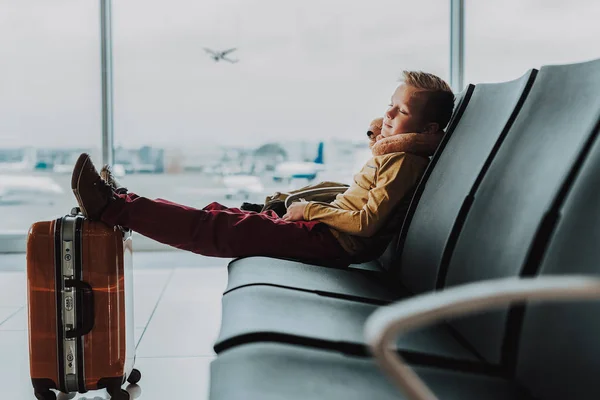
[91,191]
[106,174]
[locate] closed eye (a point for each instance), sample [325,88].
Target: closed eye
[399,109]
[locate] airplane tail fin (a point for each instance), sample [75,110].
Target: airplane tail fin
[319,159]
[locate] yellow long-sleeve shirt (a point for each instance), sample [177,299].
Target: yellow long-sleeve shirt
[362,210]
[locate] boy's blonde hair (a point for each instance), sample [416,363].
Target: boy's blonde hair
[438,97]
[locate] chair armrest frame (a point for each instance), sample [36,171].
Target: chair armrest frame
[385,324]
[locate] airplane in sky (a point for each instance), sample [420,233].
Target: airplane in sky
[220,55]
[288,170]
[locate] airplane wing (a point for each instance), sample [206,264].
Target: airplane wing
[230,60]
[224,53]
[214,53]
[25,189]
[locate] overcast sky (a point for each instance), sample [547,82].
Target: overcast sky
[308,69]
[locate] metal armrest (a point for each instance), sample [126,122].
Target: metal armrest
[384,325]
[309,192]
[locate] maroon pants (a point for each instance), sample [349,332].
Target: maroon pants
[219,231]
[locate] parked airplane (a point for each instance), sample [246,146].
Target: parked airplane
[242,185]
[18,189]
[27,162]
[287,171]
[220,55]
[15,166]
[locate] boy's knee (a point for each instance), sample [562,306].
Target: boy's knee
[214,206]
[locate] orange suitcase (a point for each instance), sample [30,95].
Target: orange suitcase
[80,299]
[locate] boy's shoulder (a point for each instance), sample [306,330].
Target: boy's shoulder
[400,156]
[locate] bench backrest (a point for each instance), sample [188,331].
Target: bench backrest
[559,355]
[390,255]
[508,213]
[477,135]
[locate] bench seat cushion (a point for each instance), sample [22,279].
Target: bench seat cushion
[269,371]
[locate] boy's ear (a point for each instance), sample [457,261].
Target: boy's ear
[431,127]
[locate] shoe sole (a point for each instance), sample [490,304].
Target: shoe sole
[79,166]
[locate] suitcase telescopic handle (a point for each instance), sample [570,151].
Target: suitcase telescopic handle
[85,310]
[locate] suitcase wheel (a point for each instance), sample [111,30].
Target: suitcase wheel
[48,395]
[134,377]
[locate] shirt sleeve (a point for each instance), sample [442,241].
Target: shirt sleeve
[395,177]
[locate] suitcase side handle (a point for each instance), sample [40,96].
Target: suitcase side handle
[86,317]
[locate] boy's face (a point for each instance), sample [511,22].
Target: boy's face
[403,113]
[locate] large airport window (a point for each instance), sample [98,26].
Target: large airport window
[50,100]
[288,107]
[503,39]
[195,125]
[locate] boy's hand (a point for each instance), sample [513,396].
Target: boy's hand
[296,211]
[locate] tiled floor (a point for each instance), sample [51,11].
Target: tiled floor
[177,308]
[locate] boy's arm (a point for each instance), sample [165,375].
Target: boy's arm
[396,176]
